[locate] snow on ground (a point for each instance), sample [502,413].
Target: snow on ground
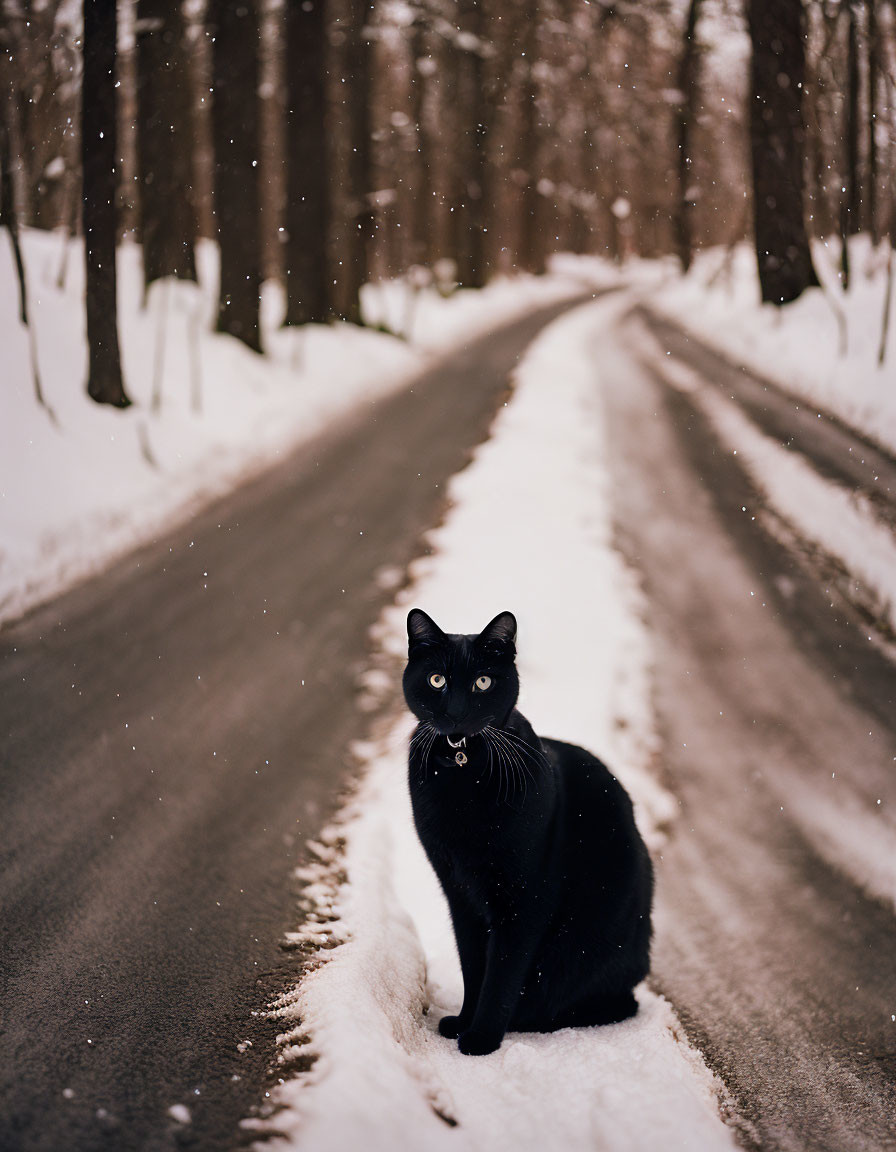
[855,831]
[90,482]
[799,346]
[529,530]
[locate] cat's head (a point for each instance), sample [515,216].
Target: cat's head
[460,684]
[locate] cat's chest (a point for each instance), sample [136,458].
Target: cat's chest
[469,817]
[457,781]
[454,802]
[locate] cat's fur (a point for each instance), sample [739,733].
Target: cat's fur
[534,842]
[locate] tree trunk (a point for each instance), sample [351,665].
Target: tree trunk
[235,135]
[530,254]
[688,81]
[8,218]
[850,203]
[851,133]
[473,136]
[873,85]
[98,212]
[422,209]
[164,143]
[307,165]
[777,143]
[362,221]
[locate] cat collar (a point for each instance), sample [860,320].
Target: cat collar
[460,757]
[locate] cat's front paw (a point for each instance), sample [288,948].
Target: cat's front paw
[451,1027]
[475,1043]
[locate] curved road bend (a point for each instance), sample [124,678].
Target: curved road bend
[771,701]
[170,735]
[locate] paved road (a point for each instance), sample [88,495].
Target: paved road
[170,734]
[772,703]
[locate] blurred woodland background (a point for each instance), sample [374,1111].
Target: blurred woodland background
[328,142]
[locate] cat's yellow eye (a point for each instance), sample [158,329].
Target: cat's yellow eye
[483,683]
[437,680]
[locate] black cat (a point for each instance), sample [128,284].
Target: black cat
[534,842]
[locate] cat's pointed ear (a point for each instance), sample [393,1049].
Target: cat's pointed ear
[422,629]
[501,630]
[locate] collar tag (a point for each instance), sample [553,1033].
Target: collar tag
[460,758]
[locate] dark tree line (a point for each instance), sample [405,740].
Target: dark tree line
[326,142]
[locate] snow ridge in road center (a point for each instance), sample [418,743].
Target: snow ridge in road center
[530,530]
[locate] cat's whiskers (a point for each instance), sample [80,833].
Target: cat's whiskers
[422,742]
[493,746]
[516,757]
[488,746]
[518,767]
[423,729]
[508,763]
[517,739]
[434,735]
[524,751]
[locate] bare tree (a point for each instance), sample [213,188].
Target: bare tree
[688,86]
[8,214]
[474,108]
[777,141]
[422,205]
[362,223]
[530,251]
[874,67]
[235,134]
[851,196]
[98,208]
[307,165]
[164,142]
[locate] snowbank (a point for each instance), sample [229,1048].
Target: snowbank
[88,483]
[530,530]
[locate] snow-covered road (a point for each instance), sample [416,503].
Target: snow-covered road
[765,787]
[735,667]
